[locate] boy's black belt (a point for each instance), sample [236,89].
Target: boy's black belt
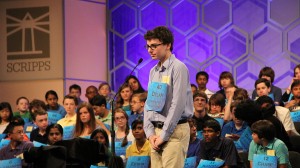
[159,124]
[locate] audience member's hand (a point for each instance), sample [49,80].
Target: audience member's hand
[291,104]
[229,92]
[235,137]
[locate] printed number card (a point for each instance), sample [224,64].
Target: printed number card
[138,162]
[264,161]
[11,163]
[156,97]
[295,116]
[54,117]
[210,164]
[190,162]
[121,150]
[68,132]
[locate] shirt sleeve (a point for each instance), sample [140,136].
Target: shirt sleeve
[282,154]
[231,155]
[251,150]
[180,83]
[148,126]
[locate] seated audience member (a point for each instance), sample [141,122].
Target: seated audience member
[214,148]
[226,80]
[268,110]
[91,92]
[6,115]
[105,90]
[17,145]
[22,107]
[248,111]
[262,87]
[16,120]
[40,119]
[141,146]
[264,142]
[137,104]
[202,79]
[269,74]
[194,88]
[100,110]
[70,104]
[194,145]
[287,95]
[135,84]
[34,105]
[75,91]
[54,133]
[52,103]
[101,136]
[251,112]
[86,122]
[123,99]
[294,104]
[200,110]
[240,94]
[123,132]
[234,129]
[216,105]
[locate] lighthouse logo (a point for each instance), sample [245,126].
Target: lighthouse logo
[28,33]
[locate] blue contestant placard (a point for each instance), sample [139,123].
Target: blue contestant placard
[53,117]
[128,112]
[38,144]
[4,142]
[28,135]
[264,161]
[93,166]
[138,162]
[271,95]
[210,164]
[199,135]
[295,116]
[68,132]
[290,97]
[2,136]
[156,97]
[11,163]
[190,162]
[221,121]
[121,150]
[245,139]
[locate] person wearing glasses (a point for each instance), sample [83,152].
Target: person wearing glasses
[169,103]
[137,104]
[17,145]
[200,113]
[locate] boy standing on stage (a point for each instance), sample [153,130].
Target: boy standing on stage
[169,103]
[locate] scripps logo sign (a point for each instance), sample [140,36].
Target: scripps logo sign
[28,38]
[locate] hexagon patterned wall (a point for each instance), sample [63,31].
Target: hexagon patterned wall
[240,36]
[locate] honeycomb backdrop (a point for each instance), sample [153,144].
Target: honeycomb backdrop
[240,36]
